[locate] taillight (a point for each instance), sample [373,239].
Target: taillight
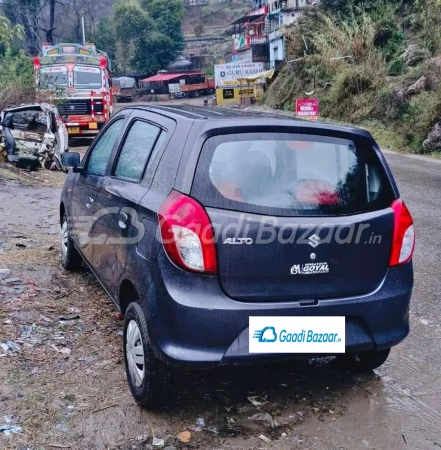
[187,234]
[404,235]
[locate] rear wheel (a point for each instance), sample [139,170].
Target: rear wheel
[364,361]
[196,94]
[70,257]
[148,378]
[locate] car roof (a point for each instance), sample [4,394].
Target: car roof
[231,116]
[203,113]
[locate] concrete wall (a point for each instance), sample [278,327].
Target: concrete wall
[277,51]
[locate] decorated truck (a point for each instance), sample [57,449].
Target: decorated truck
[77,78]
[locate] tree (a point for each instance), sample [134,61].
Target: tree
[168,16]
[150,31]
[17,83]
[105,36]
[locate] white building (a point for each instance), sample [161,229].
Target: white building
[281,14]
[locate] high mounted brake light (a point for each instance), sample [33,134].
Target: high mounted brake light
[187,234]
[403,243]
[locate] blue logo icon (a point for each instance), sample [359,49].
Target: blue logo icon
[268,334]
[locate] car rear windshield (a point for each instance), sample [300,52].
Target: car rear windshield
[290,175]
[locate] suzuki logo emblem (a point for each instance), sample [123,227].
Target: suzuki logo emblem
[314,241]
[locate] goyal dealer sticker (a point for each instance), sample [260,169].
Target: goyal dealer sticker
[297,335]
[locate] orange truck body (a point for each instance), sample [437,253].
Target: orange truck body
[208,84]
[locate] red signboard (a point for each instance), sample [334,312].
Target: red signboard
[307,108]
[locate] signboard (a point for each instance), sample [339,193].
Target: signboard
[235,95]
[241,42]
[307,108]
[227,94]
[228,74]
[246,92]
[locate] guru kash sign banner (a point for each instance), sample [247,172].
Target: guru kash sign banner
[228,75]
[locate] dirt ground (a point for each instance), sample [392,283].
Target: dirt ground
[62,378]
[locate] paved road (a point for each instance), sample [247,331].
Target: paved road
[404,410]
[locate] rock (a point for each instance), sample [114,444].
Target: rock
[433,141]
[415,54]
[158,443]
[419,86]
[434,63]
[184,437]
[264,417]
[12,280]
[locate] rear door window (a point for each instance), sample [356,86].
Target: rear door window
[290,175]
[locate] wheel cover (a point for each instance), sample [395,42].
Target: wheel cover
[135,354]
[64,240]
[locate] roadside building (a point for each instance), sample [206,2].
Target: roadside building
[281,14]
[250,36]
[259,34]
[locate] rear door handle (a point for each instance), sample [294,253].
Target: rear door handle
[123,221]
[90,202]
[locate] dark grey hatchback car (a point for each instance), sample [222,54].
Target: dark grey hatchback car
[200,222]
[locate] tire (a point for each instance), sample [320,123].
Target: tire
[150,380]
[70,257]
[196,94]
[364,361]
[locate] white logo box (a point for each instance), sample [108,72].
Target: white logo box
[315,335]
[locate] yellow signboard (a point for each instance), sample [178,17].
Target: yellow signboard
[246,92]
[234,95]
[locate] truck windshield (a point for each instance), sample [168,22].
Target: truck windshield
[87,78]
[53,77]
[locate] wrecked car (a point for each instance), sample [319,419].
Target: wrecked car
[33,136]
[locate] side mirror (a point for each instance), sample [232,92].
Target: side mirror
[71,159]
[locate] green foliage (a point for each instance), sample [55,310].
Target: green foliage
[346,7]
[148,33]
[389,39]
[105,37]
[348,54]
[423,112]
[17,83]
[396,67]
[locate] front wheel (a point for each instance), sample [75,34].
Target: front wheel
[363,361]
[149,378]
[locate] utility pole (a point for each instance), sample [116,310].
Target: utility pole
[84,30]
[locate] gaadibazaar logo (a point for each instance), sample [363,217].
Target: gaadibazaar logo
[269,334]
[311,335]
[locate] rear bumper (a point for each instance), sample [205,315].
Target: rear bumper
[193,323]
